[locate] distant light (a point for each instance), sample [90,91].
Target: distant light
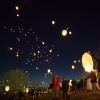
[53,22]
[17,55]
[42,42]
[4,26]
[70,32]
[64,32]
[73,66]
[17,8]
[74,61]
[50,50]
[11,48]
[17,15]
[38,51]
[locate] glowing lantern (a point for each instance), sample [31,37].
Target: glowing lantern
[64,32]
[78,60]
[70,32]
[48,70]
[11,48]
[50,50]
[38,51]
[17,55]
[27,90]
[42,42]
[74,61]
[17,8]
[34,54]
[70,82]
[17,15]
[7,88]
[53,22]
[87,62]
[73,66]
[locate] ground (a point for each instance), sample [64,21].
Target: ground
[87,95]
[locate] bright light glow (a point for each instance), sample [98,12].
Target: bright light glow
[87,62]
[70,32]
[50,50]
[53,22]
[70,82]
[42,42]
[7,88]
[49,70]
[64,32]
[17,15]
[17,8]
[73,66]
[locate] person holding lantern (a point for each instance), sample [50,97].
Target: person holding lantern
[55,87]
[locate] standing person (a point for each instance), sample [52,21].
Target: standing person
[55,87]
[93,81]
[65,88]
[73,86]
[68,93]
[81,83]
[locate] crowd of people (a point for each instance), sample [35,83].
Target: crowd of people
[76,86]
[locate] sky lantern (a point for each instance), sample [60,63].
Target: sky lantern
[79,61]
[7,88]
[70,32]
[11,48]
[27,90]
[50,50]
[53,22]
[38,51]
[17,15]
[73,66]
[48,70]
[64,32]
[74,61]
[87,62]
[17,8]
[42,42]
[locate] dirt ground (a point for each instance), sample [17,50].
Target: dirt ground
[87,95]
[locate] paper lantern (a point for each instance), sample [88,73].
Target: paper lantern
[7,88]
[73,66]
[49,70]
[50,50]
[64,32]
[27,90]
[53,22]
[87,62]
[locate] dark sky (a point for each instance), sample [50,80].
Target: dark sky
[81,17]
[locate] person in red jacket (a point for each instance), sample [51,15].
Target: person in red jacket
[55,87]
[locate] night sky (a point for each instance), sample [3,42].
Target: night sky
[26,32]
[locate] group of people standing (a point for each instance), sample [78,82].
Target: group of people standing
[80,85]
[55,87]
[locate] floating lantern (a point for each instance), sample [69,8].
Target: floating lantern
[7,88]
[64,32]
[42,42]
[17,8]
[73,66]
[17,15]
[74,61]
[87,62]
[50,50]
[11,48]
[49,70]
[53,22]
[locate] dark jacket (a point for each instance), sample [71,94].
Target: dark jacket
[93,77]
[65,85]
